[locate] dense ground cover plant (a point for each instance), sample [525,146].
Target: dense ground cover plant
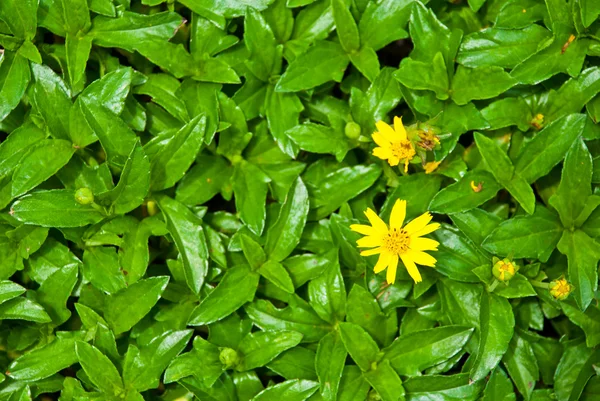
[299,200]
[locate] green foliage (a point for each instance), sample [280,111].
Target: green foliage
[179,178]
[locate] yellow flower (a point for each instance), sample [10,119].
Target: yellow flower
[394,144]
[560,289]
[430,167]
[397,242]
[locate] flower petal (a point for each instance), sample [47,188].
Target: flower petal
[387,131]
[421,258]
[418,224]
[390,275]
[382,153]
[363,229]
[398,214]
[383,262]
[428,229]
[376,222]
[370,252]
[423,244]
[412,268]
[381,140]
[393,161]
[399,128]
[369,242]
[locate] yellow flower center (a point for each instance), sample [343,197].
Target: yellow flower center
[402,150]
[396,241]
[504,270]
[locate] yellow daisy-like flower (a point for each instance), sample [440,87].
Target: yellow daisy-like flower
[397,242]
[394,145]
[560,289]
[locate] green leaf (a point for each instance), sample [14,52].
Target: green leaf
[23,309]
[323,62]
[292,390]
[588,321]
[282,111]
[52,100]
[133,184]
[497,324]
[386,381]
[479,83]
[278,275]
[345,26]
[43,362]
[353,386]
[204,180]
[116,137]
[443,387]
[250,188]
[285,234]
[101,268]
[162,88]
[235,289]
[340,186]
[143,371]
[20,17]
[99,369]
[14,79]
[55,291]
[327,292]
[456,255]
[553,58]
[41,162]
[496,160]
[499,387]
[548,147]
[522,366]
[130,29]
[412,353]
[460,196]
[500,47]
[329,363]
[317,138]
[297,316]
[532,236]
[128,306]
[78,52]
[575,184]
[425,75]
[359,344]
[261,44]
[362,308]
[384,22]
[508,111]
[188,235]
[574,371]
[262,347]
[9,290]
[253,252]
[583,254]
[176,156]
[54,208]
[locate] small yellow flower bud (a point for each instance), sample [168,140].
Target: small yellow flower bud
[229,357]
[236,159]
[152,208]
[84,196]
[352,130]
[504,269]
[560,289]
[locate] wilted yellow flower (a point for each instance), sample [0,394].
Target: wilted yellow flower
[560,289]
[394,144]
[504,269]
[428,140]
[430,167]
[397,242]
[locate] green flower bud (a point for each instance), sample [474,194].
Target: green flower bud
[352,130]
[373,396]
[504,269]
[229,357]
[84,196]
